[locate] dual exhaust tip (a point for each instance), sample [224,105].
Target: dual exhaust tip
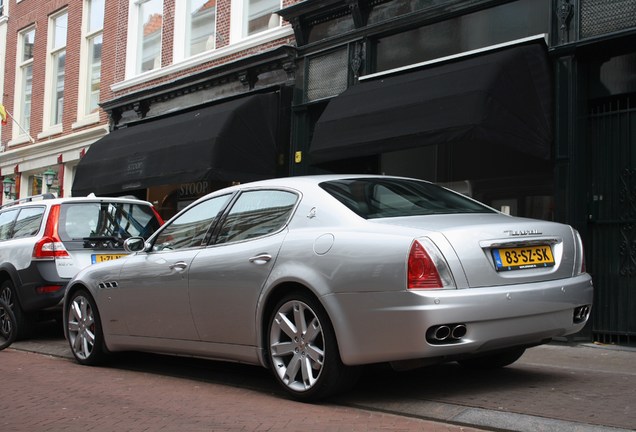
[581,314]
[446,333]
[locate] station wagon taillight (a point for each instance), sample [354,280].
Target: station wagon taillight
[50,246]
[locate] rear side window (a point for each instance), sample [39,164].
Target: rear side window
[373,198]
[100,220]
[7,219]
[257,213]
[28,222]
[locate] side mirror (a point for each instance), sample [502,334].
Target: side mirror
[134,244]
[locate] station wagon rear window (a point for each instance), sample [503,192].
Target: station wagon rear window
[373,198]
[118,220]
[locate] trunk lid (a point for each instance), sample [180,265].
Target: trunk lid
[525,246]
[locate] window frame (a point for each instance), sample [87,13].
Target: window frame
[84,116]
[239,21]
[19,135]
[183,31]
[51,125]
[134,43]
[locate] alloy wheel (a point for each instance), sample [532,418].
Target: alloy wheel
[81,327]
[297,345]
[7,296]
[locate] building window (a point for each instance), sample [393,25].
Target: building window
[194,28]
[327,74]
[251,17]
[200,26]
[93,29]
[503,23]
[24,82]
[57,57]
[1,7]
[260,16]
[149,26]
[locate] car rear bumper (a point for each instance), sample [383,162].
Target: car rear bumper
[40,286]
[376,327]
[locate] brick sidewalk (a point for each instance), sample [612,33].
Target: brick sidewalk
[42,393]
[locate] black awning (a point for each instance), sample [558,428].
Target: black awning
[500,98]
[232,141]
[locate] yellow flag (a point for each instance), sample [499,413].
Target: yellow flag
[3,115]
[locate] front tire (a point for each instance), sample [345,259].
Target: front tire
[302,350]
[84,329]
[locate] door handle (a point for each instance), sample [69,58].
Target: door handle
[178,266]
[261,259]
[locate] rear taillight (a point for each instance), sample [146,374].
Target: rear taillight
[50,246]
[422,271]
[426,267]
[580,255]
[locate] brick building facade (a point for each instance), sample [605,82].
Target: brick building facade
[178,78]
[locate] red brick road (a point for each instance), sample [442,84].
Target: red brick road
[40,393]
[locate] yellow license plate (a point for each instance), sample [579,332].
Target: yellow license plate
[523,257]
[98,258]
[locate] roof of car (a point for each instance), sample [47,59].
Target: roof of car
[51,199]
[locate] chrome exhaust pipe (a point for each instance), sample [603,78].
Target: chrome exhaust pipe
[458,332]
[442,333]
[581,314]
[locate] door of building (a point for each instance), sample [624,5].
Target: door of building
[611,141]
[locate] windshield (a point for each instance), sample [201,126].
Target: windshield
[373,198]
[80,221]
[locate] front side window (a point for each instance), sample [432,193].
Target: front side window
[200,26]
[191,228]
[260,16]
[57,54]
[256,214]
[24,83]
[150,25]
[93,38]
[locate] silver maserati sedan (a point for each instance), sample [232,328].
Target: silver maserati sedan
[313,277]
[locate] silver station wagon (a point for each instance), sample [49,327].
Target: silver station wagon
[315,276]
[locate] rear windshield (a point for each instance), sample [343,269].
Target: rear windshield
[373,198]
[79,221]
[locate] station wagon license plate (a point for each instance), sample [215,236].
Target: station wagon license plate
[523,257]
[98,258]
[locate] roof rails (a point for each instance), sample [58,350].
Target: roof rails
[29,199]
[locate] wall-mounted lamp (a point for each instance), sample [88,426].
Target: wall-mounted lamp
[7,186]
[49,176]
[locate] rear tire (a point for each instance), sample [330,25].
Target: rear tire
[303,352]
[84,329]
[8,327]
[22,319]
[493,361]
